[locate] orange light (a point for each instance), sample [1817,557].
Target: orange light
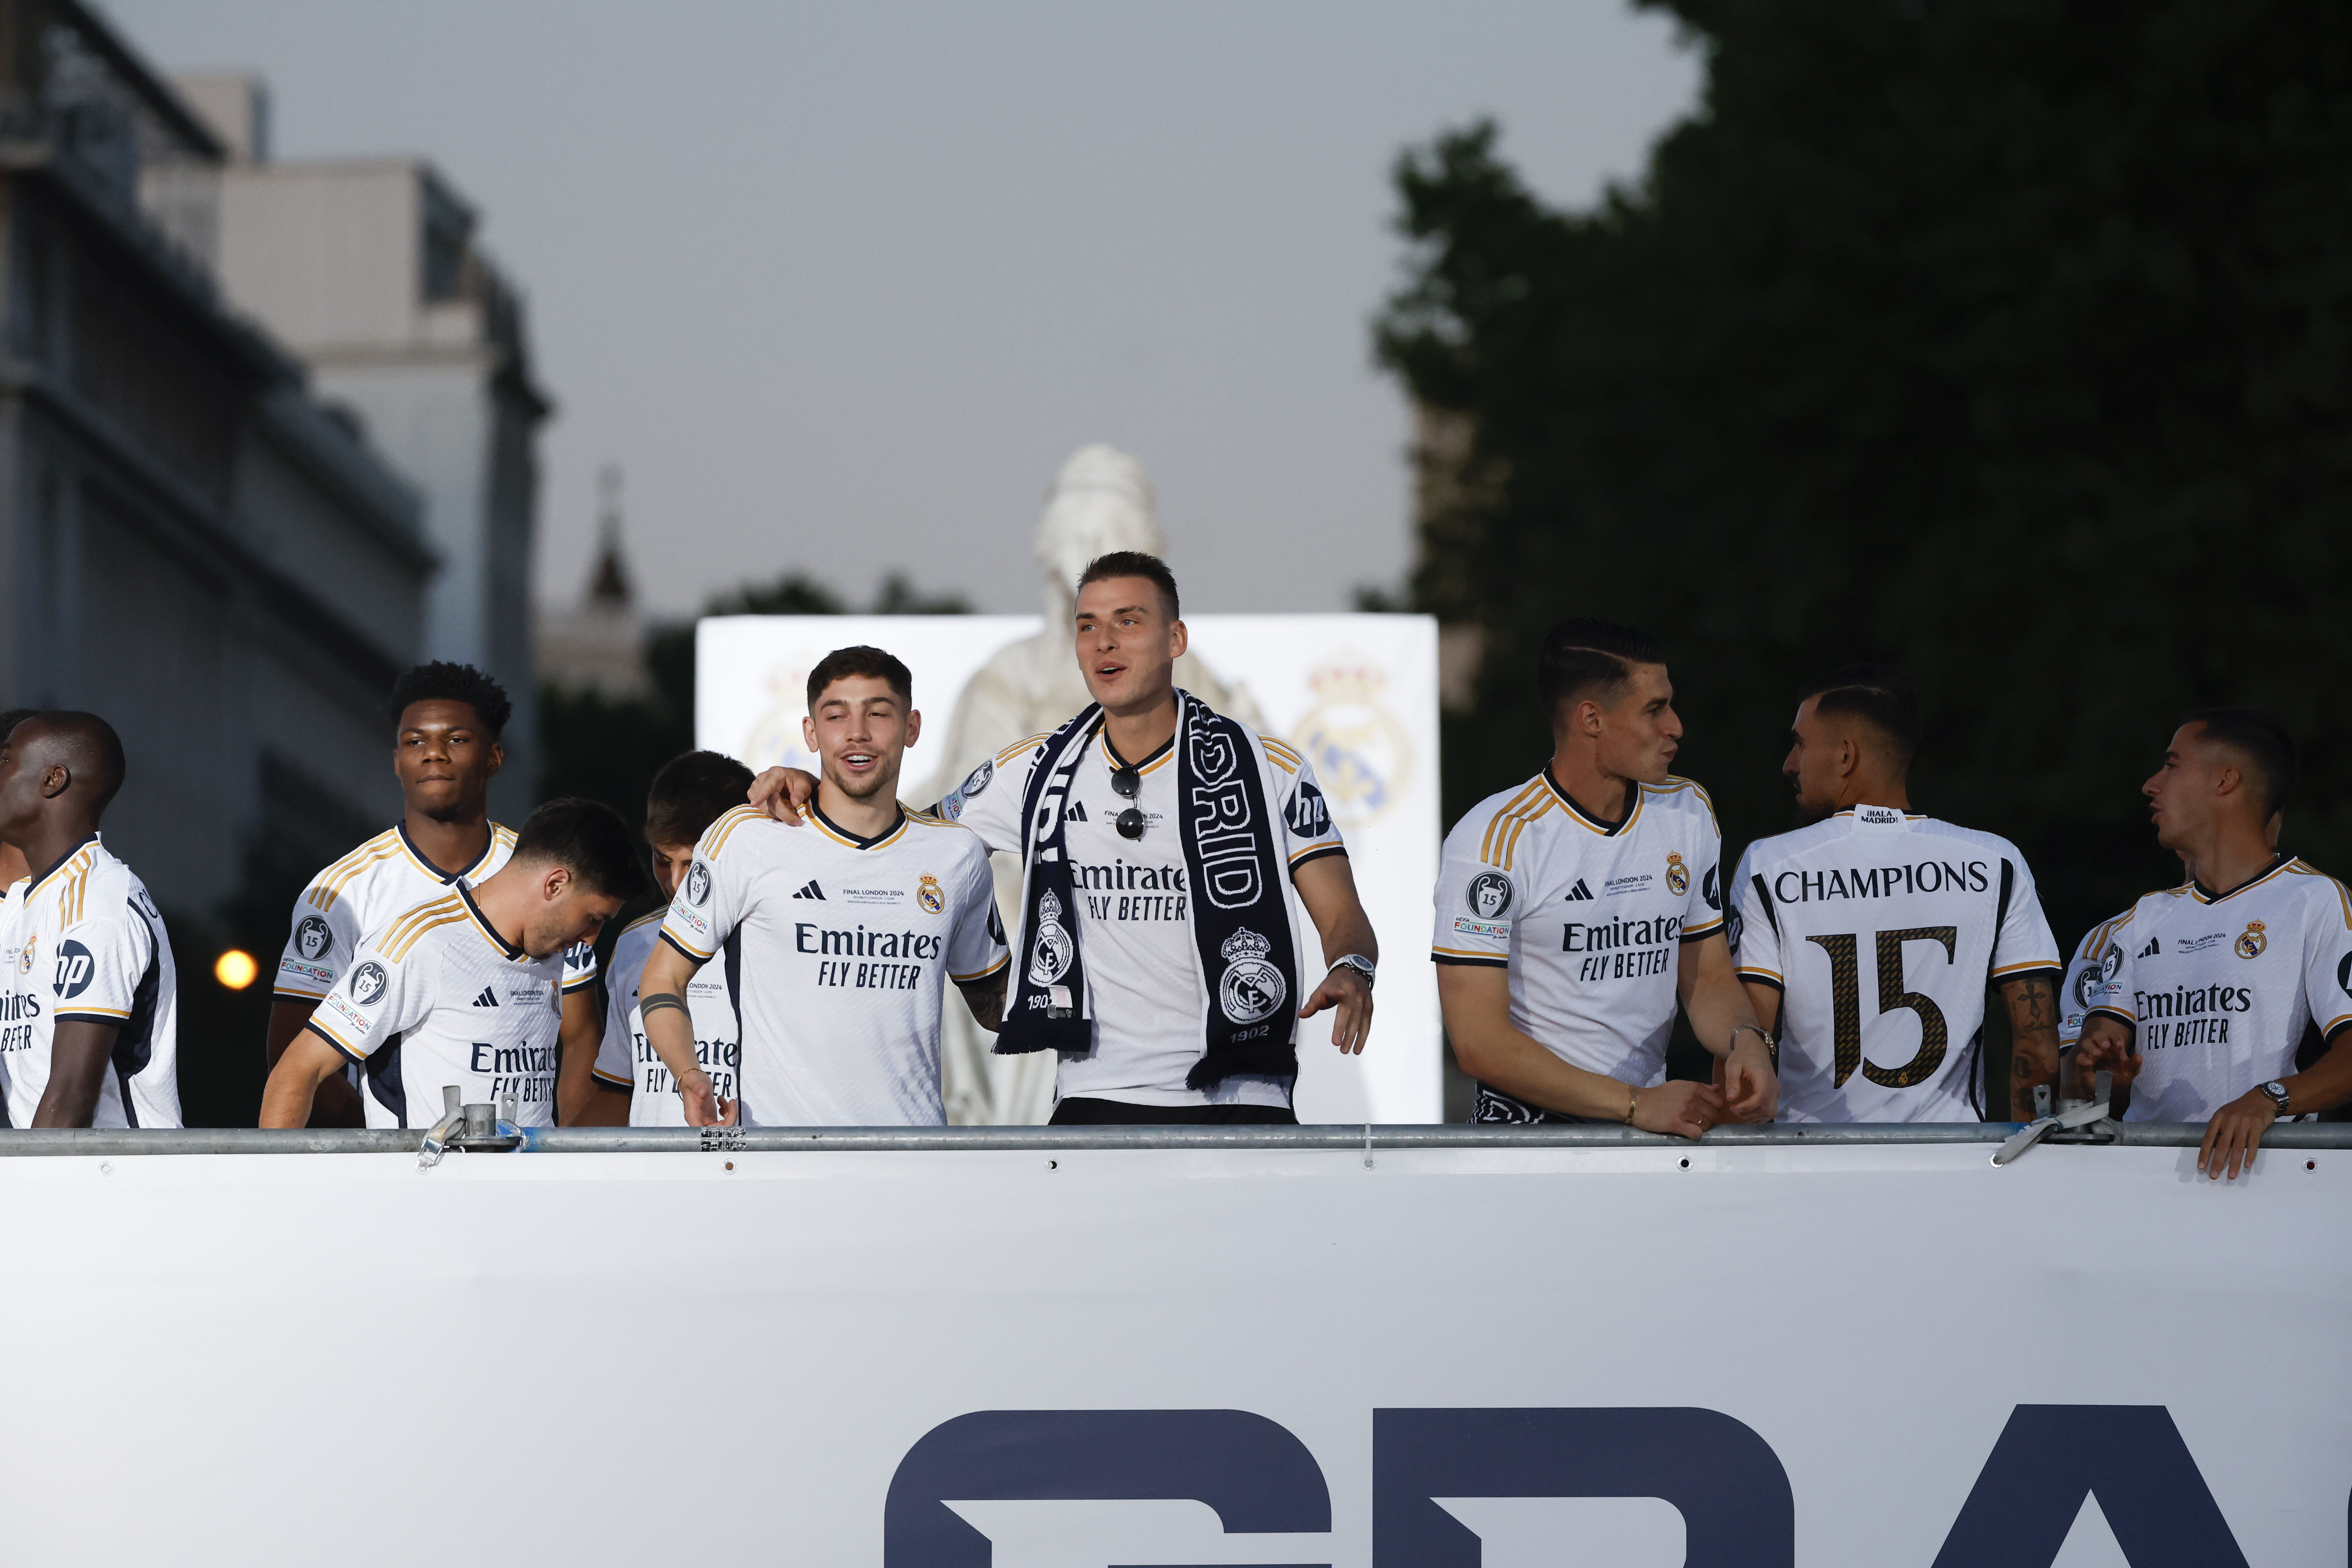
[236,969]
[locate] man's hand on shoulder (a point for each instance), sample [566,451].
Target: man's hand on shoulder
[783,793]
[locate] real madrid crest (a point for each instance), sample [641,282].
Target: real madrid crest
[1361,752]
[1678,876]
[1253,987]
[2253,939]
[25,958]
[1050,954]
[928,894]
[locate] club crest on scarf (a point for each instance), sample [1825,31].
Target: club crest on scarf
[1049,960]
[1251,988]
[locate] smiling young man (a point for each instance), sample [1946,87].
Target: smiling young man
[1869,937]
[447,719]
[628,1083]
[1574,912]
[466,989]
[2216,983]
[1161,845]
[89,1000]
[839,939]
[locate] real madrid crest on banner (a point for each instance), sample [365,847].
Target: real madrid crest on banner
[2253,939]
[1361,753]
[1678,876]
[1049,959]
[1253,987]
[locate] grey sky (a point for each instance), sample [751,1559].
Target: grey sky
[840,286]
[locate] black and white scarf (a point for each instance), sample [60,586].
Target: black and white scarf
[1238,907]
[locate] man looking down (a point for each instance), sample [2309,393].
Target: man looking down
[1161,845]
[839,937]
[467,988]
[1868,938]
[1574,912]
[89,999]
[2216,982]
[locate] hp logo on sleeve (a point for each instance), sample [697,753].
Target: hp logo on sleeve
[74,968]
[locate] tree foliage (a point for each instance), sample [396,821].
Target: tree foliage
[2006,341]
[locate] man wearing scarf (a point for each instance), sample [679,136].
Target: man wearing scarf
[1161,845]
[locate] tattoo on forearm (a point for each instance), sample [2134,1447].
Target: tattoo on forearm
[2032,1006]
[649,1006]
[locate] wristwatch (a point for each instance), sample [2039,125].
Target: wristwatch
[2277,1091]
[1771,1046]
[1358,962]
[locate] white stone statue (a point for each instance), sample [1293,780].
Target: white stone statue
[1100,502]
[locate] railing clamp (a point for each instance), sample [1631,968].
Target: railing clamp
[2082,1114]
[481,1128]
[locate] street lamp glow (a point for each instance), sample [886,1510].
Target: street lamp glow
[236,969]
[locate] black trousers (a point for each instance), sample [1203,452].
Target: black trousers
[1118,1113]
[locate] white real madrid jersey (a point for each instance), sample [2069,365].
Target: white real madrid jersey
[1590,917]
[627,1061]
[2221,988]
[1134,906]
[1880,929]
[82,942]
[438,997]
[838,950]
[2094,963]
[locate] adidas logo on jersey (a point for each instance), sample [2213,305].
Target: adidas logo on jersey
[1580,893]
[811,891]
[1078,812]
[2149,951]
[486,999]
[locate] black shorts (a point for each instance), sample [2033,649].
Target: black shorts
[1082,1113]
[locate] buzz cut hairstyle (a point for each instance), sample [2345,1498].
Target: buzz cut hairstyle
[1136,564]
[693,789]
[1589,657]
[1879,695]
[843,663]
[2262,741]
[588,838]
[441,681]
[12,717]
[90,739]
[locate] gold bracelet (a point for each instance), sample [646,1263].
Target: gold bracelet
[1633,1103]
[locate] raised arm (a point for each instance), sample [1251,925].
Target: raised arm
[1327,886]
[783,793]
[669,1029]
[1725,1021]
[1475,1001]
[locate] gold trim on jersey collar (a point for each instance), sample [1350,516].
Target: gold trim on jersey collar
[1634,787]
[447,878]
[64,862]
[2205,895]
[840,834]
[482,923]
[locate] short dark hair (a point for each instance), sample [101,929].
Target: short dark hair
[1880,695]
[1136,564]
[1587,656]
[92,747]
[871,662]
[693,789]
[441,681]
[2262,742]
[588,838]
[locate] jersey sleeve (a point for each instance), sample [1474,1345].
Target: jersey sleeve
[99,961]
[319,943]
[2085,971]
[710,898]
[2327,961]
[1307,831]
[1703,910]
[1754,927]
[976,939]
[1476,901]
[2024,945]
[2113,996]
[988,800]
[387,991]
[579,966]
[615,1065]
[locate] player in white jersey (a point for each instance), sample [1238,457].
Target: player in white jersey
[446,720]
[466,991]
[840,936]
[1152,988]
[691,792]
[2218,982]
[1868,938]
[89,1000]
[1574,912]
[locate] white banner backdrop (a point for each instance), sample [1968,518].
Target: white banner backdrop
[1870,1356]
[1357,693]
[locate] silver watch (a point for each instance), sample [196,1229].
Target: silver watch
[1358,962]
[2277,1091]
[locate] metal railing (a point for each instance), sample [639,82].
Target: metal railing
[1374,1138]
